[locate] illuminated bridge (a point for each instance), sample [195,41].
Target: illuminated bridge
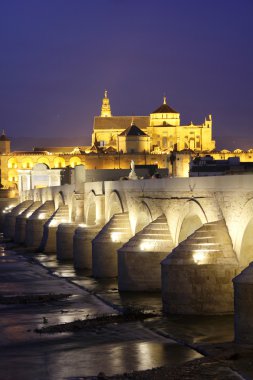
[188,237]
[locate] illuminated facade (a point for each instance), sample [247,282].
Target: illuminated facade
[116,140]
[162,130]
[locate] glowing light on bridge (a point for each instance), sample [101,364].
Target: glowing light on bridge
[115,236]
[147,245]
[200,256]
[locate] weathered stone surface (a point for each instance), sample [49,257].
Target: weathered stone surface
[61,215]
[197,275]
[139,259]
[64,241]
[82,246]
[21,222]
[243,298]
[35,223]
[10,219]
[106,244]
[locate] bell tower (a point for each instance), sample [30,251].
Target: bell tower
[106,108]
[5,144]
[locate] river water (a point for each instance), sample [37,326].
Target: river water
[114,348]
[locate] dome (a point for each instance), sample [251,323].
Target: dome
[164,108]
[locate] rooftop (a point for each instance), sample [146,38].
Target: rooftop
[164,108]
[133,130]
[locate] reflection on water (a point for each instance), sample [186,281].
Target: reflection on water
[124,357]
[192,329]
[2,248]
[106,288]
[73,360]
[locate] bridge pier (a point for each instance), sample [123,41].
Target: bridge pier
[61,215]
[82,245]
[10,219]
[64,240]
[21,222]
[35,223]
[105,245]
[139,259]
[197,275]
[243,300]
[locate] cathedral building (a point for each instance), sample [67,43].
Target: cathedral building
[116,140]
[159,132]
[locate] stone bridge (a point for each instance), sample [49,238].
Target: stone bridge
[188,237]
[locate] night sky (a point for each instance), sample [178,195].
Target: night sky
[58,56]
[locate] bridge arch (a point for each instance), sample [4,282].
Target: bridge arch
[90,211]
[115,205]
[143,217]
[243,245]
[59,200]
[192,217]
